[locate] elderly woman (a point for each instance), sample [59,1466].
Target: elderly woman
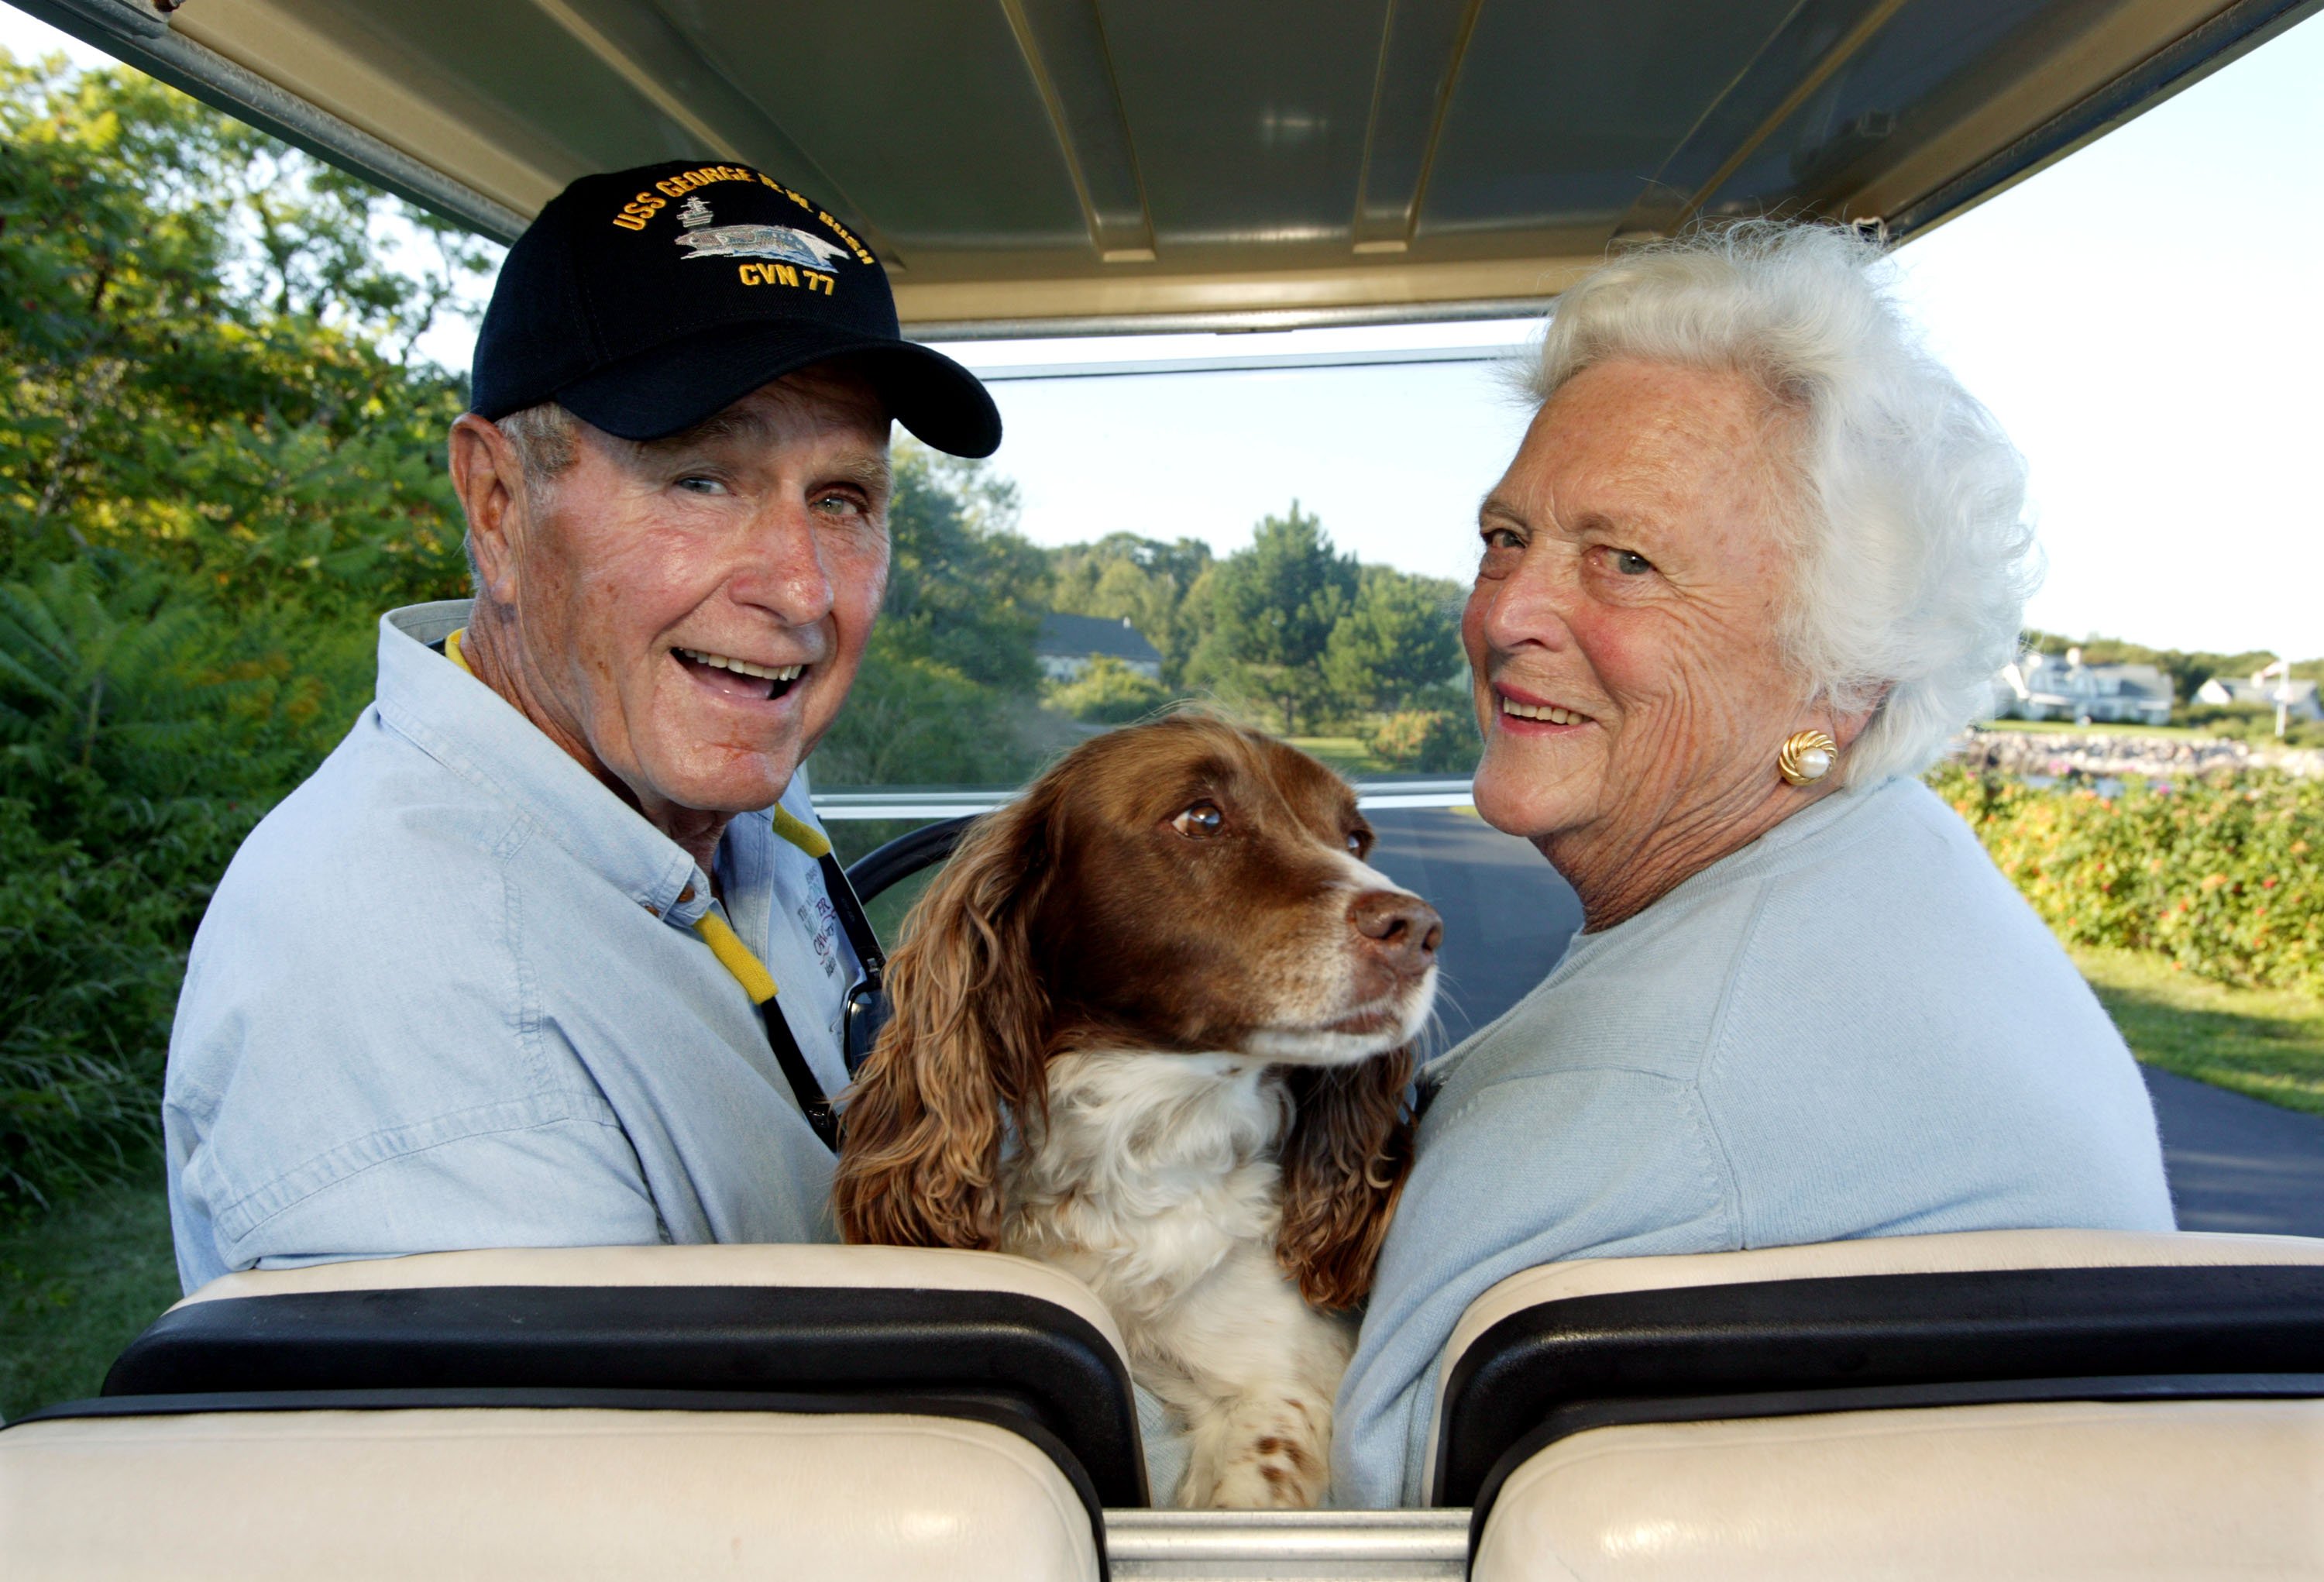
[1754,562]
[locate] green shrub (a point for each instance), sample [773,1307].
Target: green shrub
[91,956]
[2222,879]
[914,721]
[1425,741]
[1109,692]
[142,735]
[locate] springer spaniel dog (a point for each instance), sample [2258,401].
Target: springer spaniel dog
[1151,1025]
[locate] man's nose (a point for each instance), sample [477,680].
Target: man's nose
[1400,931]
[779,567]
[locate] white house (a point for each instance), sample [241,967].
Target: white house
[2297,697]
[2042,686]
[1067,643]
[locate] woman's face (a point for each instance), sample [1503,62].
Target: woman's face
[1622,630]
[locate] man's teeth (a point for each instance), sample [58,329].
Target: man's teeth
[719,661]
[1549,711]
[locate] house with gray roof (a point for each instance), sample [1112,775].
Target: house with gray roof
[2298,698]
[1067,644]
[2043,686]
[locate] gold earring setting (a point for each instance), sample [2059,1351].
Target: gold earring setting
[1807,756]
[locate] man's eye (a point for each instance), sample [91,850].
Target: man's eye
[1200,822]
[702,484]
[838,505]
[1630,563]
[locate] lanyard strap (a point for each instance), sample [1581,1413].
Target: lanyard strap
[758,982]
[748,971]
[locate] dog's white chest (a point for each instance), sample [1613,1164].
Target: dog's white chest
[1151,1171]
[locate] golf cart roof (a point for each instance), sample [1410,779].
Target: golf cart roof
[1039,166]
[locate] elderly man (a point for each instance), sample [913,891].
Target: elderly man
[551,950]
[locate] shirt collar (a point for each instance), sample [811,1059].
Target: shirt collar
[475,733]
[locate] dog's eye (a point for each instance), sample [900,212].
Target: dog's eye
[1200,821]
[1359,841]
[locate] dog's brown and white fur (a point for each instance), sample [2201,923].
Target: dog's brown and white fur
[1151,1025]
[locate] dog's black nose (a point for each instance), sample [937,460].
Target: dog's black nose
[1404,930]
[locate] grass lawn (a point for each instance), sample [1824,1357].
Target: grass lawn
[1345,753]
[2265,1043]
[76,1285]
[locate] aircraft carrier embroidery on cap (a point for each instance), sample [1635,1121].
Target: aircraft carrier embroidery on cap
[704,240]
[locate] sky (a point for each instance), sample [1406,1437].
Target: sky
[2145,318]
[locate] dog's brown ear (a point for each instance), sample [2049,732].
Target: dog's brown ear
[921,1126]
[1343,1166]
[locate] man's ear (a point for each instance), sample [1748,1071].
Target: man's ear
[489,478]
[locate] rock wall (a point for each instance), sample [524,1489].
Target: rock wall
[2154,757]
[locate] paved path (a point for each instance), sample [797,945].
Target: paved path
[2235,1163]
[2239,1164]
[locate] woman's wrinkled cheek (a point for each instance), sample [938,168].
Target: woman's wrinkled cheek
[1648,675]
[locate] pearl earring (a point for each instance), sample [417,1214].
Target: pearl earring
[1806,756]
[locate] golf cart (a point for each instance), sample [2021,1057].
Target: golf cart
[2025,1402]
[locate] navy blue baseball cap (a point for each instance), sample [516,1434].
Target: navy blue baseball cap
[646,300]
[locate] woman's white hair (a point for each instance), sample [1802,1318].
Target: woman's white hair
[1911,555]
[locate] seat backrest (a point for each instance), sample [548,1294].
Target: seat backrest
[2020,1492]
[1966,1318]
[806,1329]
[656,1412]
[532,1494]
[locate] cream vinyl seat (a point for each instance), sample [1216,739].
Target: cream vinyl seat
[2002,1404]
[663,1413]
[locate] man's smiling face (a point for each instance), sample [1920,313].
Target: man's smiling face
[685,615]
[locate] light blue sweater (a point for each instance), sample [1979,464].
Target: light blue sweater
[1852,1027]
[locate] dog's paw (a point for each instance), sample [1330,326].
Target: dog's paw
[1279,1461]
[1271,1474]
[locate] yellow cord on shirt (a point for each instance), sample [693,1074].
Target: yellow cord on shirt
[725,943]
[736,957]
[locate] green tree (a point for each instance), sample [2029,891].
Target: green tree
[1144,582]
[1400,644]
[205,360]
[963,589]
[1271,609]
[950,675]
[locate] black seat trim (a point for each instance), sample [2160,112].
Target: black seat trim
[1581,1417]
[858,1345]
[1866,1331]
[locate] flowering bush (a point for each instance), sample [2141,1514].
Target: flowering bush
[2224,879]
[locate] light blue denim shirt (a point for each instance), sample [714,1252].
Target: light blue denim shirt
[1852,1027]
[449,994]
